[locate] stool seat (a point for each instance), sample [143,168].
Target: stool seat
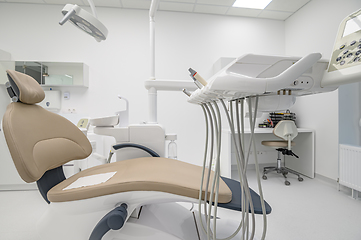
[277,144]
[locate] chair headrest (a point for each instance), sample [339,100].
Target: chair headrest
[26,88]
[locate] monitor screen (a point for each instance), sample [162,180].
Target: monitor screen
[352,25]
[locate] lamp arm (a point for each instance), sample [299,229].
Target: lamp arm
[153,8]
[92,6]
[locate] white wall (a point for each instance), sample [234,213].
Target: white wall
[120,64]
[313,29]
[8,174]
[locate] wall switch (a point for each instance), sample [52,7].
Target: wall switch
[66,95]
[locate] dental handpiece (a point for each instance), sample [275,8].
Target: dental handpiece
[196,77]
[198,84]
[186,92]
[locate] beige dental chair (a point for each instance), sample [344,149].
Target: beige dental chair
[40,142]
[286,130]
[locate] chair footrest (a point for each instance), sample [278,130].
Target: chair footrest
[236,203]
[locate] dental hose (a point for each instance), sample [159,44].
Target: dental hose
[216,178]
[240,153]
[245,201]
[252,143]
[215,185]
[241,149]
[206,113]
[207,229]
[257,170]
[242,178]
[214,125]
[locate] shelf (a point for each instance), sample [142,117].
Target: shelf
[58,74]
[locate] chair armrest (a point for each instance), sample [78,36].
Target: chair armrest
[144,148]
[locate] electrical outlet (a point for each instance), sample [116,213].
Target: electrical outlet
[71,110]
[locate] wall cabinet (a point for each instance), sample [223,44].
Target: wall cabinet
[49,74]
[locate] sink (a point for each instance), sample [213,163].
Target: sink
[109,121]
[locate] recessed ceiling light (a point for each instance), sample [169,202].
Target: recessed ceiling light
[258,4]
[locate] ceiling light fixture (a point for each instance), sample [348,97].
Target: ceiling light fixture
[257,4]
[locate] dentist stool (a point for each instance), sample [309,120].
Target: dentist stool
[286,130]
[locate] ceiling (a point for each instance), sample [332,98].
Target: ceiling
[277,9]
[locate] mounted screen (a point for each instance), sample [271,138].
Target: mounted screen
[352,25]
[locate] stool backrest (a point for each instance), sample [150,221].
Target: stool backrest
[287,130]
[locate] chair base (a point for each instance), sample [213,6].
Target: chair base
[282,170]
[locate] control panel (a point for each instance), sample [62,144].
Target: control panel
[347,48]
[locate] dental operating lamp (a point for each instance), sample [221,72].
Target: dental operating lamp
[85,21]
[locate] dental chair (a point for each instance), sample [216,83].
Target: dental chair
[90,203]
[286,130]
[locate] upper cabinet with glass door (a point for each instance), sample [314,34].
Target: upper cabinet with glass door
[50,74]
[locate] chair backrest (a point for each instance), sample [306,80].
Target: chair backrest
[38,140]
[287,130]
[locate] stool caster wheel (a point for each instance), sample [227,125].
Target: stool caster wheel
[264,177]
[300,179]
[287,183]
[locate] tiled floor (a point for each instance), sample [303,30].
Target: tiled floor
[308,210]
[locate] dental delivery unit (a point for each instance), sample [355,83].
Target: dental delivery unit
[153,197]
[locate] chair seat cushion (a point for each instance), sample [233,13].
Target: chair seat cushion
[140,174]
[277,144]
